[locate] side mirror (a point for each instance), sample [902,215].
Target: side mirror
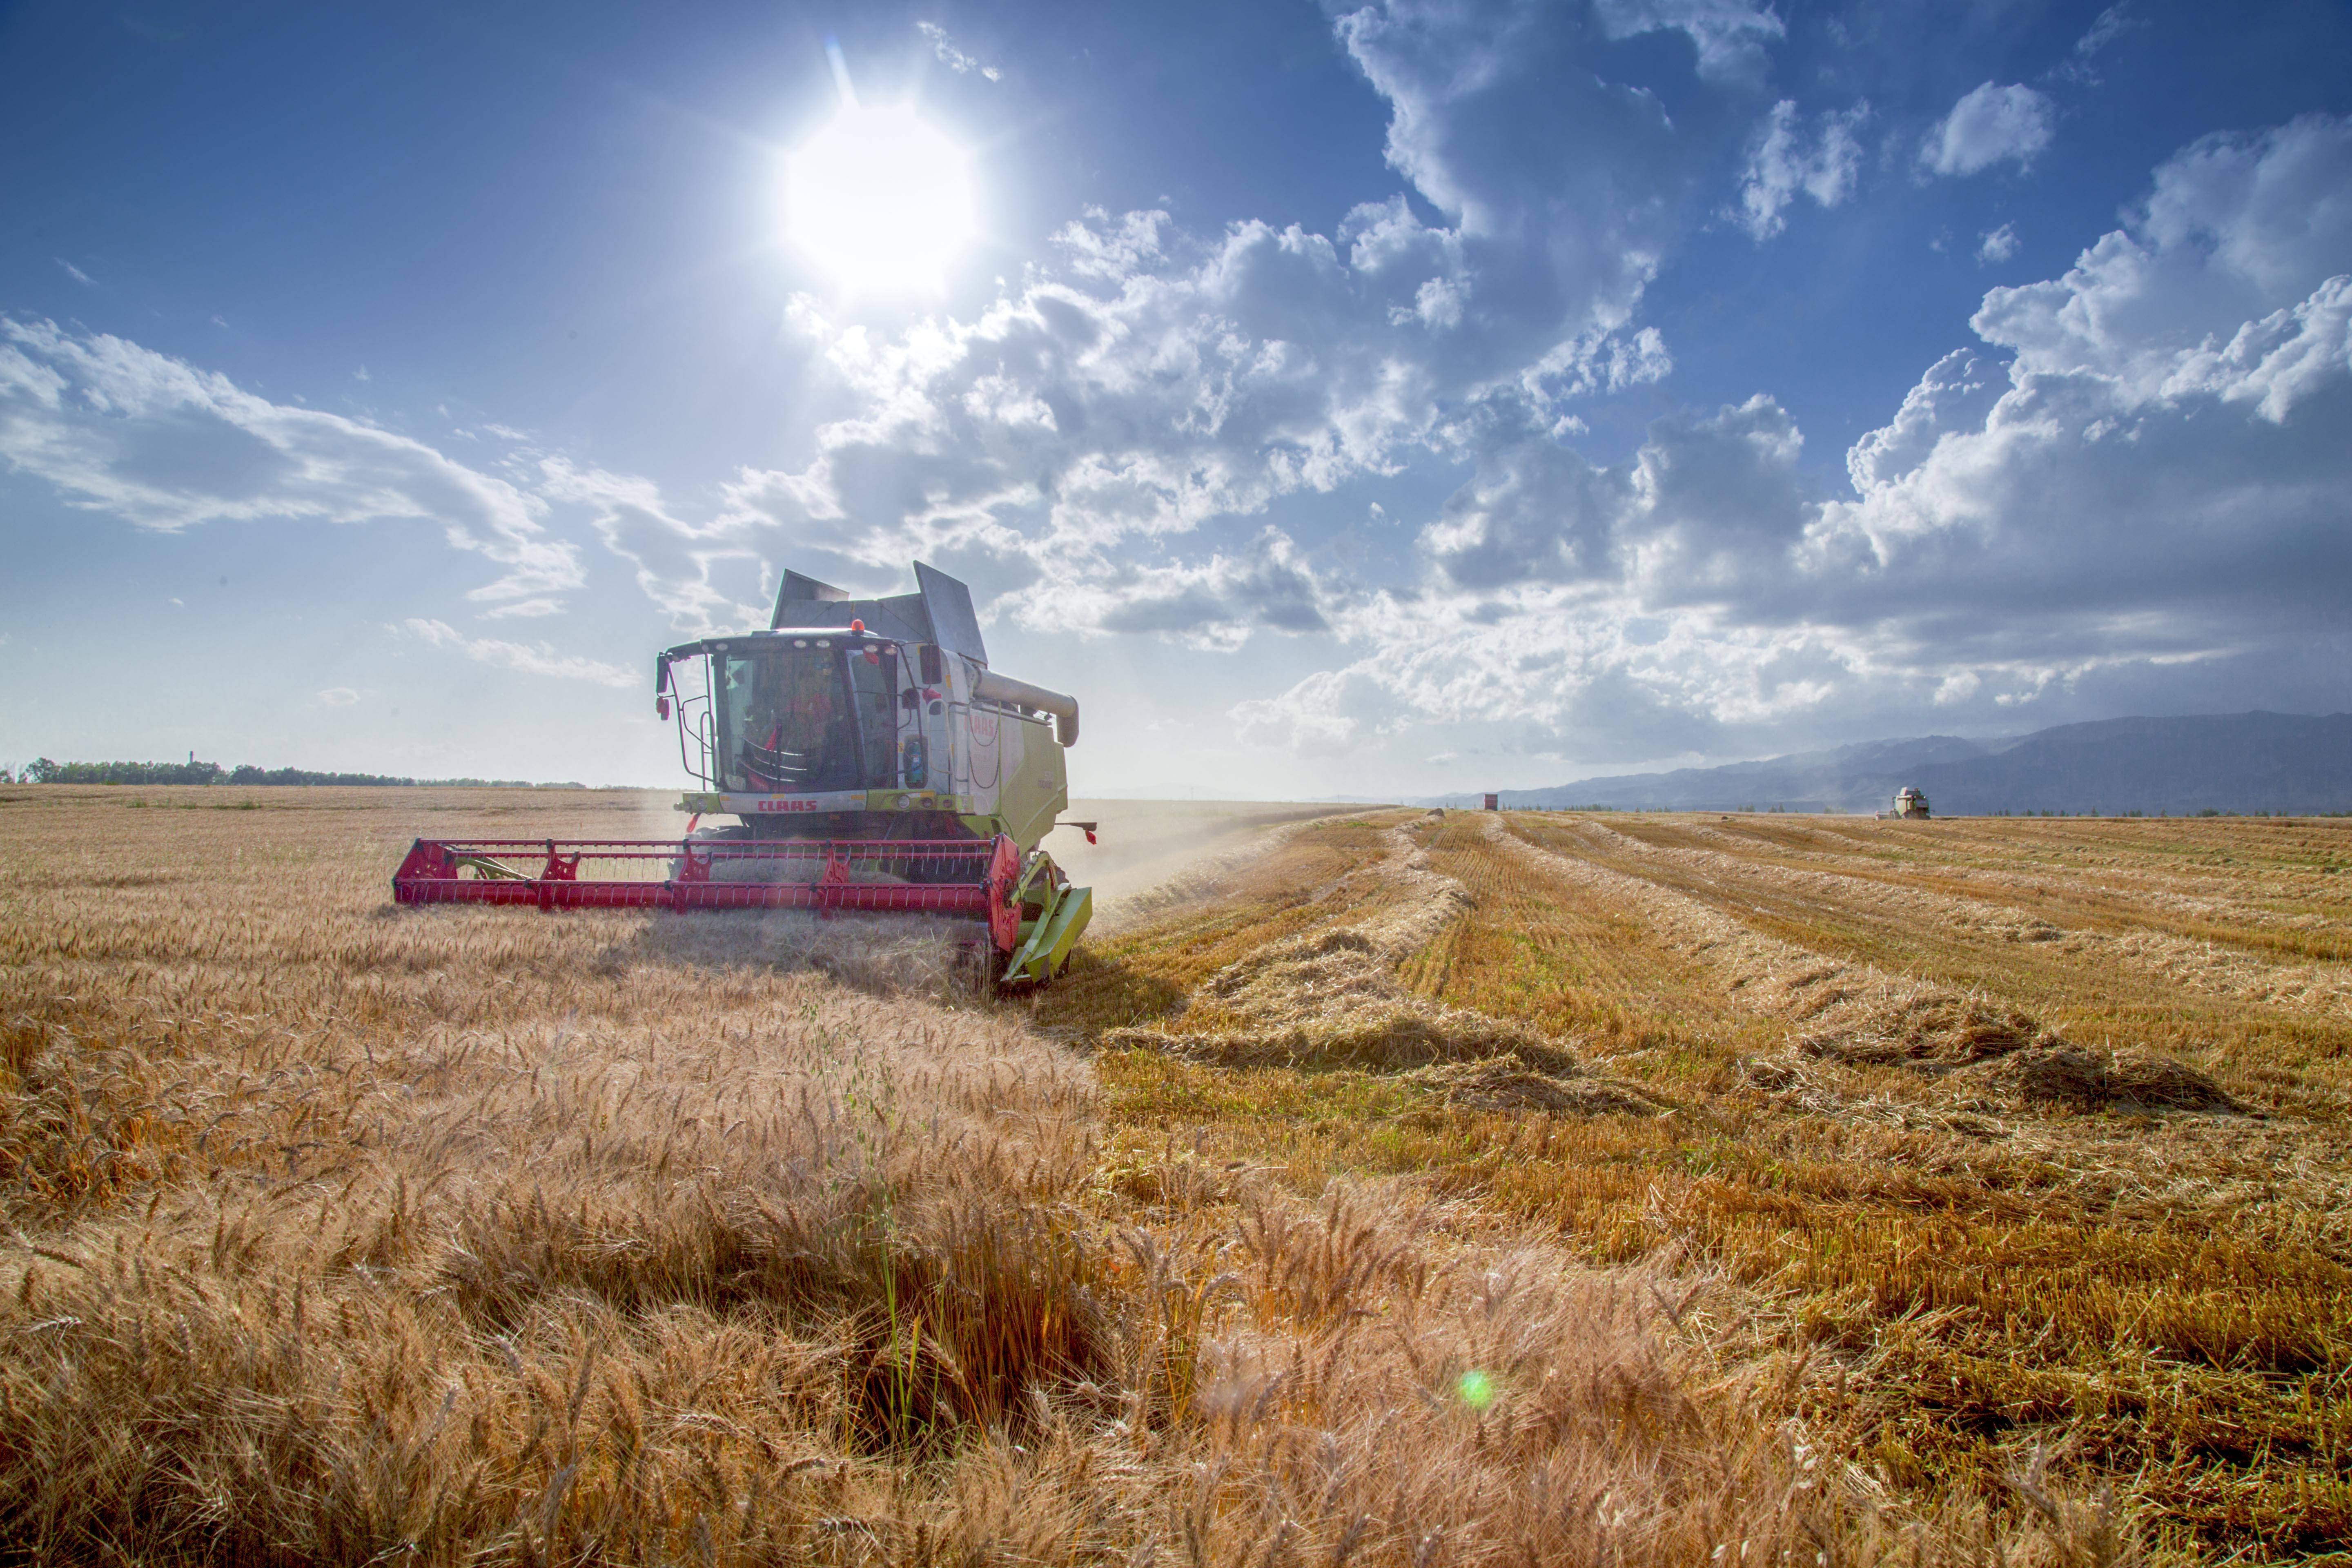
[933,672]
[661,707]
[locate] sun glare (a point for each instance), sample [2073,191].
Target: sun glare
[879,198]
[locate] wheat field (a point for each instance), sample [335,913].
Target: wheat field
[1382,1189]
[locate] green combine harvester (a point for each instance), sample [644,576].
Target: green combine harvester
[872,762]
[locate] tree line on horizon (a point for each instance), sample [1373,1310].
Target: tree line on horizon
[42,770]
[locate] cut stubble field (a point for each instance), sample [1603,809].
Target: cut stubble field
[1378,1188]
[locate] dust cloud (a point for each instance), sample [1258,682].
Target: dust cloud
[1143,844]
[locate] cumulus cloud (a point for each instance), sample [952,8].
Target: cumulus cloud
[1989,125]
[1534,510]
[2118,474]
[2180,397]
[1217,604]
[943,48]
[1956,393]
[1997,245]
[149,438]
[2141,473]
[1145,381]
[1784,161]
[2139,464]
[2239,229]
[540,659]
[338,696]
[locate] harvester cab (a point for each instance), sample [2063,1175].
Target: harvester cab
[1910,805]
[871,761]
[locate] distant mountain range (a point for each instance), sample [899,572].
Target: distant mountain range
[2288,763]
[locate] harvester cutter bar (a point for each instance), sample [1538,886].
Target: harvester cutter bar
[965,877]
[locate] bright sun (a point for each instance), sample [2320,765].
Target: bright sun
[879,198]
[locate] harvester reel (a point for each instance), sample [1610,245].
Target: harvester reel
[1029,915]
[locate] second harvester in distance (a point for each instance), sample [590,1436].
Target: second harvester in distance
[872,761]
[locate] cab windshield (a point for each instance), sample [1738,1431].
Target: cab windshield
[809,718]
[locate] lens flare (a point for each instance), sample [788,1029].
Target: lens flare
[1476,1389]
[879,198]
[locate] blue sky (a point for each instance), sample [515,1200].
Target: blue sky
[1338,400]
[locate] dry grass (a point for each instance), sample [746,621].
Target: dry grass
[1330,997]
[344,1233]
[1998,1183]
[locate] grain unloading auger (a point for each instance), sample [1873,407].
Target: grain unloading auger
[873,761]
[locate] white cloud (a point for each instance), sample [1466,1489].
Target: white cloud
[1329,713]
[1215,605]
[542,659]
[1997,245]
[1989,125]
[674,561]
[2150,493]
[1783,162]
[2112,24]
[125,430]
[1143,383]
[2239,229]
[2142,460]
[1956,393]
[1729,35]
[338,696]
[76,273]
[1146,381]
[944,49]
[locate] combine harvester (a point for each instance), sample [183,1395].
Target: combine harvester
[874,763]
[1910,806]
